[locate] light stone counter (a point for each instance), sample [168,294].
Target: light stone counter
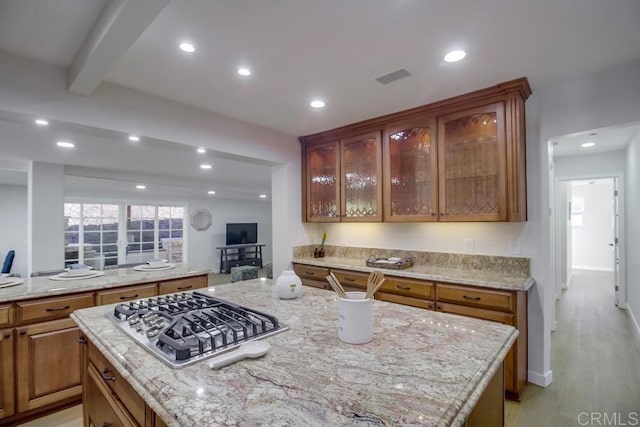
[422,367]
[465,276]
[35,287]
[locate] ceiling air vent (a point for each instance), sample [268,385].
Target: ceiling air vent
[392,77]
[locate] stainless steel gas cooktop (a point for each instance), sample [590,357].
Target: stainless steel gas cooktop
[185,328]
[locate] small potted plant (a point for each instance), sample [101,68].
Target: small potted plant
[321,251]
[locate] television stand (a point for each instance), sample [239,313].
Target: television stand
[236,255]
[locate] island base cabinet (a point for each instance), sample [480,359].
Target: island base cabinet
[101,409]
[48,367]
[7,402]
[489,409]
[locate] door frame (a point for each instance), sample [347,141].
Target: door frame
[622,290]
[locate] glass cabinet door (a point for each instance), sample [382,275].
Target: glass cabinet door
[361,175]
[472,165]
[323,182]
[411,173]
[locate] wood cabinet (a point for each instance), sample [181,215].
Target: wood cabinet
[343,179]
[312,275]
[44,309]
[7,397]
[461,159]
[126,293]
[410,178]
[48,365]
[108,399]
[182,285]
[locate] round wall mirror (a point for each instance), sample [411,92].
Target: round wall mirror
[200,219]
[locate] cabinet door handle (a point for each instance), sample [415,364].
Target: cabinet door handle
[106,424]
[66,307]
[404,288]
[105,375]
[441,213]
[7,336]
[124,297]
[22,333]
[185,287]
[82,340]
[471,298]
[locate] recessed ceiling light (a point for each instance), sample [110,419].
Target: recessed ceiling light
[205,166]
[134,138]
[201,150]
[141,187]
[211,192]
[455,55]
[243,71]
[263,196]
[588,144]
[187,47]
[65,144]
[41,122]
[316,103]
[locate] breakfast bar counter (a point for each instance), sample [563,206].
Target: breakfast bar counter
[421,368]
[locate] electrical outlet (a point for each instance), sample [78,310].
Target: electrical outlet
[514,247]
[469,245]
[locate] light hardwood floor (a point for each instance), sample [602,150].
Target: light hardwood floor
[595,358]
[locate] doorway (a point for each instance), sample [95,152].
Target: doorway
[591,229]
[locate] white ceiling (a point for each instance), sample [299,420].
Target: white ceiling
[297,50]
[609,139]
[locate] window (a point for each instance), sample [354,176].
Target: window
[154,232]
[91,234]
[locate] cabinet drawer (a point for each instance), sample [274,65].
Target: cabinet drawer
[118,385]
[351,278]
[408,287]
[6,315]
[125,294]
[401,299]
[491,299]
[478,313]
[51,308]
[310,272]
[181,285]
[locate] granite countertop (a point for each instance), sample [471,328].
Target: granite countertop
[35,287]
[485,278]
[422,367]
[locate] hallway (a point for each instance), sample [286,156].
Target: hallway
[595,359]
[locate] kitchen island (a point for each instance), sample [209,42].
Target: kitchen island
[422,367]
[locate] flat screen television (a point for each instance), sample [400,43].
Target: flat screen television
[238,234]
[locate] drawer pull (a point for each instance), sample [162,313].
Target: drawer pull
[349,279]
[124,297]
[82,340]
[22,333]
[404,288]
[7,336]
[66,307]
[471,298]
[105,375]
[182,288]
[310,273]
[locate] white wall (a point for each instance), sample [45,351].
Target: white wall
[590,243]
[632,225]
[609,98]
[202,244]
[45,217]
[590,165]
[13,226]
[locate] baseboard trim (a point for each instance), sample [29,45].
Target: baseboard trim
[543,380]
[590,268]
[635,322]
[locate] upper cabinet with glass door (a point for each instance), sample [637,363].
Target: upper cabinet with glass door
[411,173]
[361,166]
[470,167]
[472,155]
[321,188]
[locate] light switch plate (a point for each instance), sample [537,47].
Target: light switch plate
[514,247]
[469,245]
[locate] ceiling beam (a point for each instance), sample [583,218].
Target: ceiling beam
[115,31]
